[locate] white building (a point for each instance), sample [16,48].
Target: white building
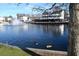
[2,19]
[9,19]
[26,19]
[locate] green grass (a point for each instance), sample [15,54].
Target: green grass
[6,50]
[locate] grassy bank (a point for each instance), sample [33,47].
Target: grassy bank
[6,50]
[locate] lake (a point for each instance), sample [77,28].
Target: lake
[52,37]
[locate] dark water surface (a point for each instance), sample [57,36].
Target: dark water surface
[36,36]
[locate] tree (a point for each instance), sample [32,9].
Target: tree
[74,30]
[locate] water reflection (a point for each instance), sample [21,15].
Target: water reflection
[55,30]
[36,36]
[2,28]
[20,28]
[61,27]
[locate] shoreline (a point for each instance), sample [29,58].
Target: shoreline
[44,52]
[36,51]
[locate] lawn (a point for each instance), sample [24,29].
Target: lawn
[6,50]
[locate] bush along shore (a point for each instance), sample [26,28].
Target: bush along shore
[8,50]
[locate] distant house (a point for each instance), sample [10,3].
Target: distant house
[8,19]
[2,19]
[23,17]
[19,16]
[26,19]
[5,20]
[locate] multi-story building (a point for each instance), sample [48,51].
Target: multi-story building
[55,14]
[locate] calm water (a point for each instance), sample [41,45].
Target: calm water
[36,36]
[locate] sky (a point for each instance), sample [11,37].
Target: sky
[11,9]
[7,9]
